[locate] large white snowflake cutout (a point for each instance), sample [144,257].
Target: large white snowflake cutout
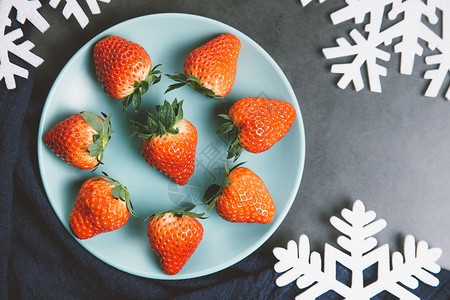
[298,263]
[28,10]
[410,27]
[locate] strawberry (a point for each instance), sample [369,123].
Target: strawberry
[257,124]
[211,68]
[124,70]
[174,236]
[102,205]
[80,139]
[169,142]
[242,197]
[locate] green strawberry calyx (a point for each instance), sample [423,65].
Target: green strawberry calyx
[140,88]
[164,122]
[187,211]
[235,149]
[191,81]
[214,191]
[119,191]
[101,138]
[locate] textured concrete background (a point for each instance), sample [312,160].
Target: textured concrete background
[390,149]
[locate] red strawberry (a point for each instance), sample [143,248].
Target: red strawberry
[124,69]
[211,68]
[243,197]
[169,142]
[174,236]
[80,139]
[102,205]
[258,123]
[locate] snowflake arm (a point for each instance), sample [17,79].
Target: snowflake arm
[414,263]
[358,9]
[306,2]
[411,29]
[427,9]
[297,263]
[438,75]
[8,69]
[73,8]
[94,7]
[366,51]
[360,227]
[28,10]
[300,264]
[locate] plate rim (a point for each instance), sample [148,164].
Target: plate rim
[299,121]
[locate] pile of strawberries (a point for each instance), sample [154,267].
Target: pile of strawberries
[169,141]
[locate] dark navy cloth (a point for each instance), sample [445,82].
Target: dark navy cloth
[39,259]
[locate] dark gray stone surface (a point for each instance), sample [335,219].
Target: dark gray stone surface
[388,149]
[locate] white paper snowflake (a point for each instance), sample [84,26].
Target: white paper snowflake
[298,263]
[28,10]
[409,26]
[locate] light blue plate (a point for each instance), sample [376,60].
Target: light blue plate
[168,38]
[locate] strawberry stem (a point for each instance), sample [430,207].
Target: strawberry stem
[214,191]
[140,88]
[101,138]
[178,213]
[191,81]
[235,148]
[119,191]
[164,122]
